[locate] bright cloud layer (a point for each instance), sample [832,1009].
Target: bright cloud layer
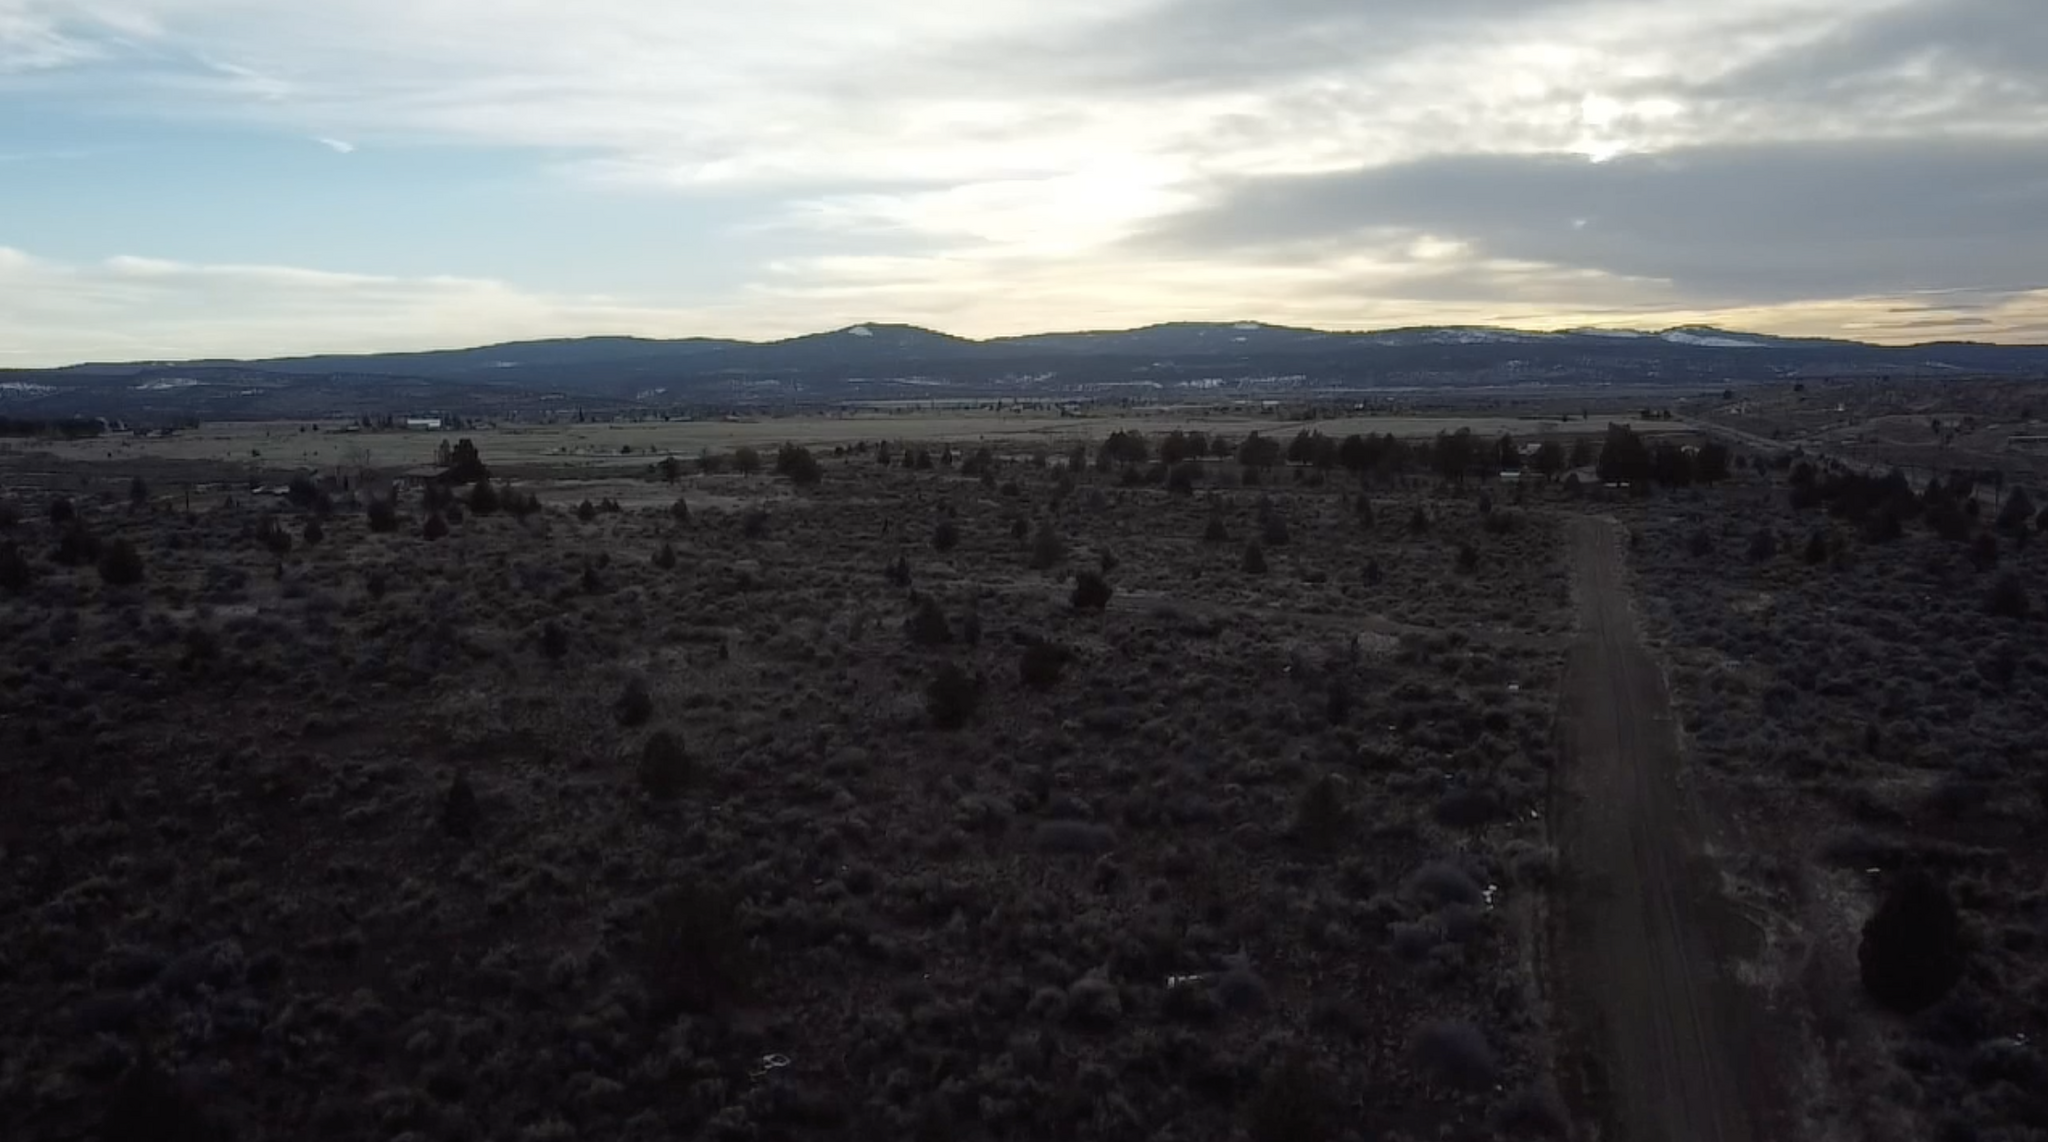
[1808,166]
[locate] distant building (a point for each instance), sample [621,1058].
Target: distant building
[424,423]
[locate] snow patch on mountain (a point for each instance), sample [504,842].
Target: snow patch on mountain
[1708,340]
[861,331]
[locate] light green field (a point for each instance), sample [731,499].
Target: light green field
[274,445]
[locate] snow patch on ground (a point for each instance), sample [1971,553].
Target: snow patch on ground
[24,387]
[861,331]
[166,383]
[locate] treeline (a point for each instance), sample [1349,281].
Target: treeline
[70,428]
[1454,456]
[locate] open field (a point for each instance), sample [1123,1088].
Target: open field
[1027,803]
[287,446]
[1242,853]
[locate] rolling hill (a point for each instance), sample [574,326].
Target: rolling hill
[883,361]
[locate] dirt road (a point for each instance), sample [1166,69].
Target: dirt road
[1656,1039]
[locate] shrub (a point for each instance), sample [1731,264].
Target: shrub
[1091,591]
[586,511]
[1418,520]
[1254,558]
[635,704]
[1273,530]
[10,516]
[1816,549]
[1454,1053]
[801,467]
[15,574]
[1700,545]
[1911,953]
[1047,548]
[1181,481]
[383,515]
[459,812]
[1321,818]
[1984,551]
[436,526]
[1468,558]
[1290,1106]
[693,956]
[483,498]
[1441,882]
[272,535]
[554,641]
[517,503]
[464,465]
[1364,511]
[746,461]
[952,697]
[665,767]
[1533,1112]
[120,564]
[754,524]
[2008,598]
[946,536]
[1214,531]
[1040,665]
[665,558]
[1762,546]
[927,625]
[61,512]
[313,533]
[680,510]
[151,1106]
[2017,512]
[76,545]
[897,572]
[1080,837]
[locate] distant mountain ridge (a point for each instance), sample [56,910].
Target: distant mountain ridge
[878,360]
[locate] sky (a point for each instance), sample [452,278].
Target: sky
[196,178]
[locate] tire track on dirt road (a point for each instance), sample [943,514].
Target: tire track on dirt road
[1655,1029]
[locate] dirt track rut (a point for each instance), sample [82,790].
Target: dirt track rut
[1660,1038]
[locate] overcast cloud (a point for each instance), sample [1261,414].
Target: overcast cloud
[1874,168]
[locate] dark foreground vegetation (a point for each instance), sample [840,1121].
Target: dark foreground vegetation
[1861,673]
[962,798]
